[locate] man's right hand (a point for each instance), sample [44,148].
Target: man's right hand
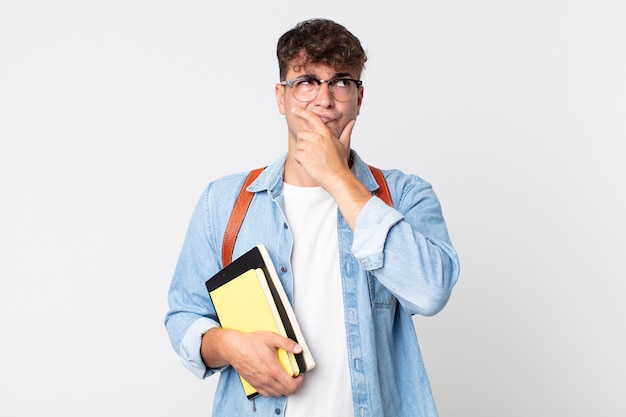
[254,356]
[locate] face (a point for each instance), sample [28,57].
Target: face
[336,114]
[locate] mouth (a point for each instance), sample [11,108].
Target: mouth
[326,119]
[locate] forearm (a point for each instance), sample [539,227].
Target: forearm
[350,195]
[213,348]
[409,254]
[419,271]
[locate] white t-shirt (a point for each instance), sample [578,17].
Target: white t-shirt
[318,303]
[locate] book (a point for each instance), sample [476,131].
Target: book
[248,296]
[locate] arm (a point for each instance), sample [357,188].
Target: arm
[407,248]
[193,327]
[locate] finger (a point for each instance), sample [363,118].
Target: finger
[346,133]
[274,380]
[278,389]
[312,120]
[284,343]
[291,346]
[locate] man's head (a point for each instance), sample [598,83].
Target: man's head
[320,41]
[320,63]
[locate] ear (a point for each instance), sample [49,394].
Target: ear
[280,98]
[360,100]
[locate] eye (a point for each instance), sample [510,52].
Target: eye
[306,82]
[340,82]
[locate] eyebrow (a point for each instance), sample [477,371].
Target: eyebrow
[332,77]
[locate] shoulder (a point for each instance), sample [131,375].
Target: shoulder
[408,190]
[227,182]
[222,192]
[400,180]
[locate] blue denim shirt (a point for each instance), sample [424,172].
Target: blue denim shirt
[398,262]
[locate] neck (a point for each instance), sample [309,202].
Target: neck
[296,175]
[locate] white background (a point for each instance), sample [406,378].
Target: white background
[115,114]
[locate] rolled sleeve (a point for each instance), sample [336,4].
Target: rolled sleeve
[370,232]
[190,347]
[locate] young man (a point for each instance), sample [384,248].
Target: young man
[354,268]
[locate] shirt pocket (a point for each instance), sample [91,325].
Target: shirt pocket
[380,296]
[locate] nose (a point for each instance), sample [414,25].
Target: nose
[324,97]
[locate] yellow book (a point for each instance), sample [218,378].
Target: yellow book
[242,304]
[248,297]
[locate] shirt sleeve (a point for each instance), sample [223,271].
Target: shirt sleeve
[406,249]
[370,232]
[190,348]
[191,313]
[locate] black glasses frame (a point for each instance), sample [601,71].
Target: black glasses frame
[290,83]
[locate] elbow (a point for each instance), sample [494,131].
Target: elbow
[431,296]
[431,304]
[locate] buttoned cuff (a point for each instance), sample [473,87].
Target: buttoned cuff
[370,232]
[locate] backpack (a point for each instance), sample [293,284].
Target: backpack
[245,197]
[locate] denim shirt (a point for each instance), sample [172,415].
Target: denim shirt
[398,262]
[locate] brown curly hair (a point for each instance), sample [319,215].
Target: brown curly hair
[320,41]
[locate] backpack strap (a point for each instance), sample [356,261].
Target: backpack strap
[237,216]
[245,198]
[383,189]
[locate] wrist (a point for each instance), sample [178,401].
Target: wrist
[212,348]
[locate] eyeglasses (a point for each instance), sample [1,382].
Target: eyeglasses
[307,88]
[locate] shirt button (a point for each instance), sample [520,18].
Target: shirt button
[285,226]
[277,411]
[351,315]
[283,269]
